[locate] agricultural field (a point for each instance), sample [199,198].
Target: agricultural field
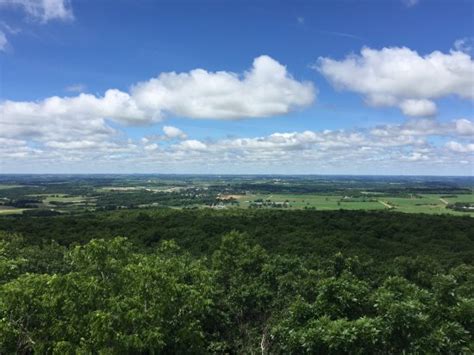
[426,203]
[301,201]
[76,194]
[6,186]
[7,210]
[66,203]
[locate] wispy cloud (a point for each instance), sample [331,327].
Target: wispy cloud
[341,34]
[9,29]
[465,45]
[43,10]
[3,41]
[410,3]
[76,88]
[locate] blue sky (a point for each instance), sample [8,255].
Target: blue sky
[347,87]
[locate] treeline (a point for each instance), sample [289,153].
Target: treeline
[461,206]
[115,297]
[133,199]
[344,188]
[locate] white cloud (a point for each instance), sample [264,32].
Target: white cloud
[464,127]
[307,150]
[84,121]
[459,147]
[415,156]
[3,41]
[77,133]
[43,10]
[174,132]
[4,30]
[38,10]
[267,89]
[426,127]
[56,115]
[418,108]
[405,146]
[191,144]
[77,144]
[151,147]
[401,77]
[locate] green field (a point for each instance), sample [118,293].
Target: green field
[458,198]
[64,198]
[5,186]
[320,202]
[10,210]
[427,203]
[64,202]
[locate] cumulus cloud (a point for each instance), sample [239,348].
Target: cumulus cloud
[415,156]
[56,114]
[43,10]
[408,145]
[418,108]
[401,77]
[174,132]
[427,127]
[464,127]
[88,127]
[267,89]
[459,147]
[318,149]
[191,144]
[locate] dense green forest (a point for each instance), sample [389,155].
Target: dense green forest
[237,281]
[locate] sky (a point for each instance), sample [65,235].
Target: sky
[381,87]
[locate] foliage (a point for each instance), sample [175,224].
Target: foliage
[114,296]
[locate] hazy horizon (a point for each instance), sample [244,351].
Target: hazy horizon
[240,174]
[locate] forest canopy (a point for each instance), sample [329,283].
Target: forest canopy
[273,282]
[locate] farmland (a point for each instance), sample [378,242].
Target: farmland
[75,194]
[426,203]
